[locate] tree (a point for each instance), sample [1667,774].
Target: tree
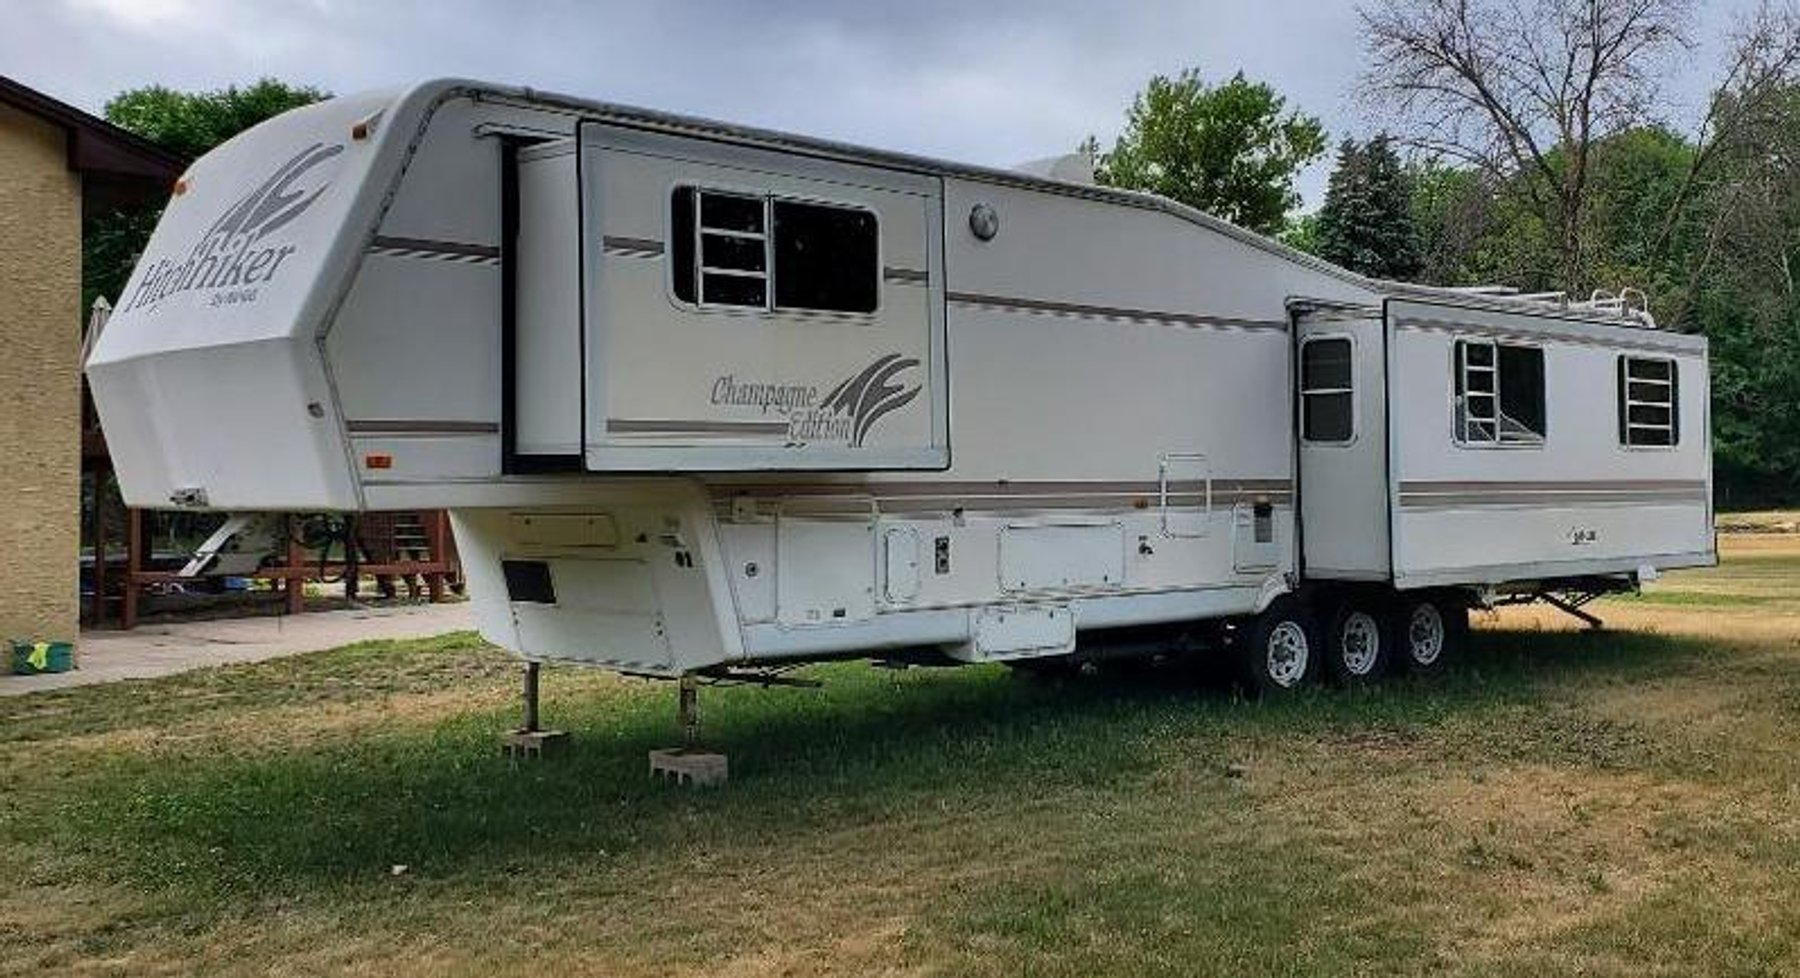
[1301,233]
[1366,223]
[1455,214]
[188,123]
[192,123]
[1232,150]
[1524,91]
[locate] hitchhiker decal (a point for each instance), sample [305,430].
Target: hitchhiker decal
[232,259]
[846,414]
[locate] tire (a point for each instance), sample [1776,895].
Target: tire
[1430,631]
[1358,642]
[1279,651]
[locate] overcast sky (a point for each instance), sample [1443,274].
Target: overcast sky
[987,81]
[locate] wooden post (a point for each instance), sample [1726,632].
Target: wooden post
[97,611]
[434,538]
[134,550]
[531,698]
[352,570]
[294,583]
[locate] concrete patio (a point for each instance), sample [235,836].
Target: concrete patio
[161,650]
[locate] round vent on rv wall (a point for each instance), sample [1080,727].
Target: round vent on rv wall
[984,221]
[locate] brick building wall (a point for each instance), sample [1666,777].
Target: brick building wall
[40,409]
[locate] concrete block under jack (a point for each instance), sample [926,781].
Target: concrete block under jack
[526,744]
[695,767]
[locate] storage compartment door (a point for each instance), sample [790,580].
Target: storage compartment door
[756,310]
[825,568]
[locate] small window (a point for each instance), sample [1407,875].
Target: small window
[1499,394]
[1327,408]
[758,252]
[728,232]
[1649,402]
[825,258]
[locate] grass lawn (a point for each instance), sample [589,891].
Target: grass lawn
[1625,803]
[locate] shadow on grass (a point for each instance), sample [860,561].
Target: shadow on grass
[870,746]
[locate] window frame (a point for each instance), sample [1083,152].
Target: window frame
[1300,385]
[768,198]
[1622,402]
[1459,392]
[766,236]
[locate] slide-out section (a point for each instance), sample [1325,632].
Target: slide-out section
[1533,447]
[688,305]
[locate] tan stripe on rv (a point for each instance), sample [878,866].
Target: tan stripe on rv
[1006,497]
[1456,494]
[995,489]
[1554,485]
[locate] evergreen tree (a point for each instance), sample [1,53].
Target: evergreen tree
[1366,224]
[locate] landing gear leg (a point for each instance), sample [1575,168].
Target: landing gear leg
[688,712]
[530,740]
[1572,606]
[688,764]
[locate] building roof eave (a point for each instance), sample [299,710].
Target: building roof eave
[96,146]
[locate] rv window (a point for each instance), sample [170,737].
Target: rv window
[727,232]
[825,258]
[1327,411]
[1649,402]
[722,253]
[1499,394]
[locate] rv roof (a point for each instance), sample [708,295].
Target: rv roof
[1608,310]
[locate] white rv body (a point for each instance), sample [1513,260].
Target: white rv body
[1003,411]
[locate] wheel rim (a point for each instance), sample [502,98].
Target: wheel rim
[1360,638]
[1287,653]
[1425,633]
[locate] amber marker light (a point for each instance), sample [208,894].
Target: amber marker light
[378,460]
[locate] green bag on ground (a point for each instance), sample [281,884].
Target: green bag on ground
[32,658]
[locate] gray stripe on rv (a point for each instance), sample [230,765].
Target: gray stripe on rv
[421,427]
[431,248]
[631,247]
[1114,313]
[629,426]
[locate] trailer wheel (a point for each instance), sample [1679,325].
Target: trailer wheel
[1430,630]
[1279,652]
[1358,642]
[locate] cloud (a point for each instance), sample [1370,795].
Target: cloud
[993,83]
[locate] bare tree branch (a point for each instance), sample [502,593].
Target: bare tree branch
[1523,89]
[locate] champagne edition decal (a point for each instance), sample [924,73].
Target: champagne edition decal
[236,254]
[845,414]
